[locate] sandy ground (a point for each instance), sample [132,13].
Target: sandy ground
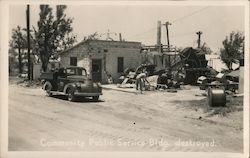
[120,121]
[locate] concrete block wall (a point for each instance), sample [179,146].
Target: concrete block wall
[108,51]
[86,63]
[131,59]
[79,51]
[130,51]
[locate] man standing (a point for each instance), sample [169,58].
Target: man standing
[140,80]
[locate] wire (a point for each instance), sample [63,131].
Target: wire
[184,34]
[191,14]
[174,21]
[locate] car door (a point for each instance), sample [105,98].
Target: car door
[62,80]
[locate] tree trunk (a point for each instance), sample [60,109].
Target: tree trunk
[19,60]
[45,62]
[44,65]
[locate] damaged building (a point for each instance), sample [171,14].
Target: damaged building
[190,62]
[103,58]
[194,63]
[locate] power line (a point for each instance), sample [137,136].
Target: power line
[184,34]
[191,14]
[174,21]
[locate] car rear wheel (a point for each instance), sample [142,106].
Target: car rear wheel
[96,98]
[71,95]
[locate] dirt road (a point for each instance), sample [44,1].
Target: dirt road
[154,121]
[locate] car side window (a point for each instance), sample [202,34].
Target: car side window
[61,73]
[84,73]
[81,72]
[71,71]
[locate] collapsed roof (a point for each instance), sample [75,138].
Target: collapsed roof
[194,58]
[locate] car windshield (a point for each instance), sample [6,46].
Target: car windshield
[76,71]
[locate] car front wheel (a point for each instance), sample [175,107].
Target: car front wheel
[96,98]
[71,96]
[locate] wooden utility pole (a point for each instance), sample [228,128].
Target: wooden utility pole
[199,38]
[28,39]
[167,24]
[120,36]
[19,55]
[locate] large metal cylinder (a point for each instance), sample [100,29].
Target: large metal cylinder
[216,97]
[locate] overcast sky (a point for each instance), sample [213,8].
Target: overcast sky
[138,23]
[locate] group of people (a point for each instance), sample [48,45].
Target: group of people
[165,80]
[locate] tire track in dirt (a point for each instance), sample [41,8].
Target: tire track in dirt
[129,117]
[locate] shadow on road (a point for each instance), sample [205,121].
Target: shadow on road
[78,99]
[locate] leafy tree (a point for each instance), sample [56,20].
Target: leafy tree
[233,49]
[13,64]
[53,33]
[18,42]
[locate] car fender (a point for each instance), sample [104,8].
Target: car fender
[47,83]
[67,86]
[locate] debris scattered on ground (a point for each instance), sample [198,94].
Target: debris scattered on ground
[27,83]
[153,113]
[126,85]
[238,95]
[233,105]
[201,94]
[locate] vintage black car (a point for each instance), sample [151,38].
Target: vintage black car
[70,81]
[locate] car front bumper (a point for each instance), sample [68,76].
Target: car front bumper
[86,94]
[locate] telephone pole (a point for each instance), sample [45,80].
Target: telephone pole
[120,37]
[199,38]
[167,24]
[28,39]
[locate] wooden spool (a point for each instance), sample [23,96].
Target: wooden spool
[216,97]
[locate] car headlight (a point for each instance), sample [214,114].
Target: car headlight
[78,84]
